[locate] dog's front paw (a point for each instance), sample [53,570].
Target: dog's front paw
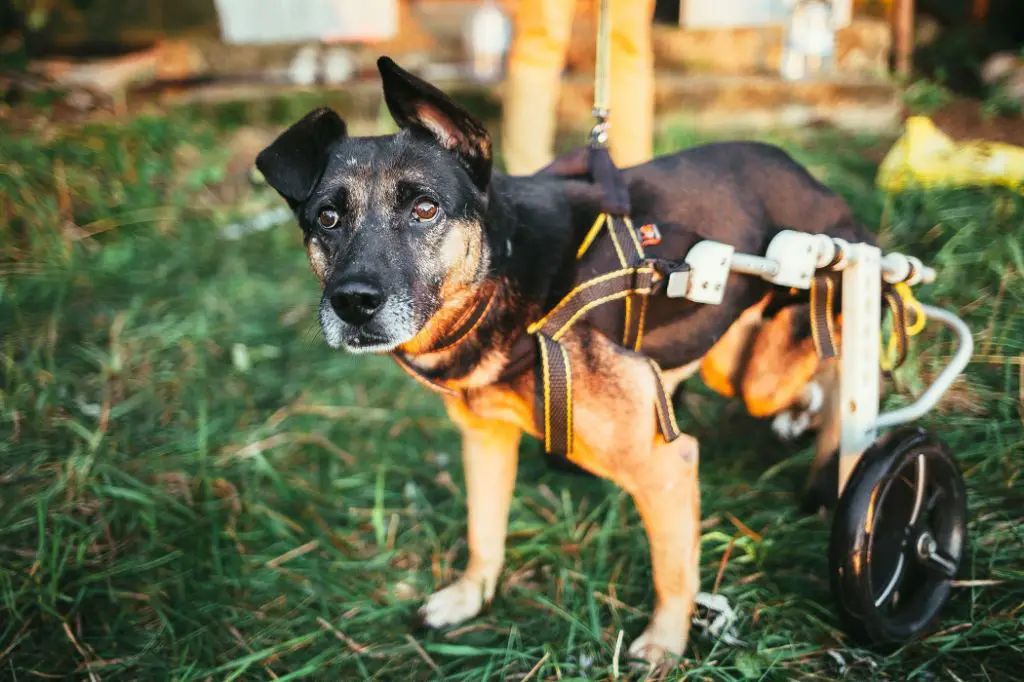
[456,603]
[664,638]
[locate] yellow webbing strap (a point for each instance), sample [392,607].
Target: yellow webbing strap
[901,302]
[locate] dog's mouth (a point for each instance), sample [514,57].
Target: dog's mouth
[383,334]
[363,341]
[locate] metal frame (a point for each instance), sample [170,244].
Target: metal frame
[791,260]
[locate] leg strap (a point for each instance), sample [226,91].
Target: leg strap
[823,294]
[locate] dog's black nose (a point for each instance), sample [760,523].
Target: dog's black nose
[356,302]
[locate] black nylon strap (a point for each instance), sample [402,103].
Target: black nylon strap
[630,253]
[822,308]
[416,374]
[466,326]
[663,405]
[589,295]
[557,388]
[556,374]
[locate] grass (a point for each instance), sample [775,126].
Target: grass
[193,487]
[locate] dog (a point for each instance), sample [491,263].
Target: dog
[425,252]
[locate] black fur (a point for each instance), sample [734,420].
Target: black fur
[294,162]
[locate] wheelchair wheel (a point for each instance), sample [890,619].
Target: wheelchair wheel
[897,538]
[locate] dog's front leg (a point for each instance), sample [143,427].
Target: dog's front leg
[490,452]
[668,498]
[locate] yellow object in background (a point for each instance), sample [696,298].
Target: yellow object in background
[926,157]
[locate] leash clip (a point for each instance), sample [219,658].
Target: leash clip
[599,133]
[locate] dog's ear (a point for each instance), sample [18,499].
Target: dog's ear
[416,104]
[293,163]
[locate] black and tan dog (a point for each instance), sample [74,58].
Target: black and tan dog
[426,253]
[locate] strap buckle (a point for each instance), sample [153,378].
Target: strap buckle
[675,276]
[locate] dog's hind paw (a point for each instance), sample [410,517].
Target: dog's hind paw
[803,416]
[456,603]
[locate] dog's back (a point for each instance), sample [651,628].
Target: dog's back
[739,193]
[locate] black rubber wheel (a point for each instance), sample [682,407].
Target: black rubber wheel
[899,531]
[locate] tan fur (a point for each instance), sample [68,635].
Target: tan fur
[761,361]
[462,256]
[673,377]
[722,364]
[778,368]
[317,259]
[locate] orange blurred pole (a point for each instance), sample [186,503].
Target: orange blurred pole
[979,10]
[904,35]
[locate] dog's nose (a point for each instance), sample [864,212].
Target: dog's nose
[356,302]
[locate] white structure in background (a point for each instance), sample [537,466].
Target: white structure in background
[294,21]
[810,39]
[313,22]
[724,14]
[486,36]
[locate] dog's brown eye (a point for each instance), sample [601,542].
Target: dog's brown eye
[424,210]
[328,218]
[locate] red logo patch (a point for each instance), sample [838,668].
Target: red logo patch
[649,235]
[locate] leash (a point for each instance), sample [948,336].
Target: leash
[602,78]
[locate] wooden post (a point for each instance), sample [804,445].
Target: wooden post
[903,34]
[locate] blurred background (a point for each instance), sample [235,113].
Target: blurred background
[193,487]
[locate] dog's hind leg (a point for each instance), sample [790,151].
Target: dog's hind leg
[490,452]
[822,486]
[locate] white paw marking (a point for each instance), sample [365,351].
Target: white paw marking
[455,604]
[791,425]
[794,422]
[814,397]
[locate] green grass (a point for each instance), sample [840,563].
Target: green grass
[193,487]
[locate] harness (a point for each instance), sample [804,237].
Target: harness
[634,281]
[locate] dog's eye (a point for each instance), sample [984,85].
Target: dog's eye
[328,218]
[424,211]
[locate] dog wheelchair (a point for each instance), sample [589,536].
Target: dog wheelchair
[899,528]
[899,525]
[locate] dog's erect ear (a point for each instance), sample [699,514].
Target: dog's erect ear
[292,164]
[416,104]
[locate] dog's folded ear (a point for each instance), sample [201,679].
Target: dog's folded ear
[416,104]
[293,163]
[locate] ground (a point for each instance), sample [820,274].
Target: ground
[194,487]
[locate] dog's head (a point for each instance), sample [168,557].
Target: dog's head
[393,225]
